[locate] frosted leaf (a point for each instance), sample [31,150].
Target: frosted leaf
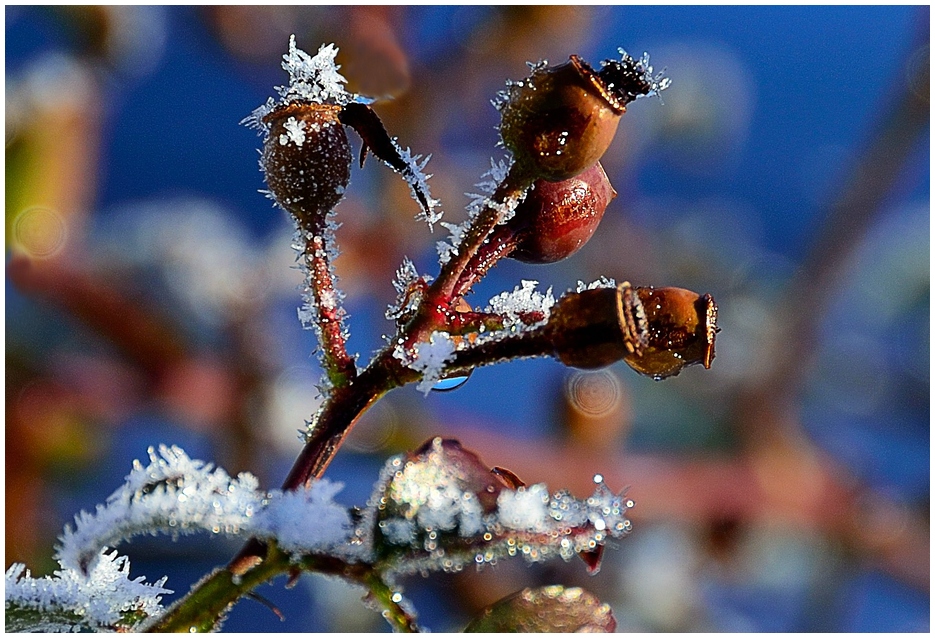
[521,303]
[602,282]
[175,494]
[71,600]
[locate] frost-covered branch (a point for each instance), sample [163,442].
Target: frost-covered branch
[175,495]
[103,599]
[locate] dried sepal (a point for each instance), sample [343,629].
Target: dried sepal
[368,125]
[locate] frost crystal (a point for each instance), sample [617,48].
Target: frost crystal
[407,294]
[71,600]
[429,358]
[526,509]
[602,282]
[658,83]
[418,183]
[295,131]
[479,201]
[524,301]
[311,79]
[178,495]
[442,510]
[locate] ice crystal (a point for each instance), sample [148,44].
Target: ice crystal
[526,509]
[437,509]
[295,131]
[418,183]
[311,79]
[429,358]
[71,600]
[479,201]
[175,494]
[602,282]
[407,294]
[523,302]
[658,83]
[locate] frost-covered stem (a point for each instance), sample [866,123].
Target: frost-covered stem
[532,343]
[338,364]
[500,244]
[513,186]
[210,599]
[333,422]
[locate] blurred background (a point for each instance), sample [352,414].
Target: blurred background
[151,295]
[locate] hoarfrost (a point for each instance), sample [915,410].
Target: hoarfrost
[429,358]
[311,79]
[407,295]
[526,509]
[295,131]
[175,494]
[658,83]
[602,282]
[479,201]
[523,301]
[71,600]
[426,506]
[418,183]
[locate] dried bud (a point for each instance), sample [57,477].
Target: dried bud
[557,218]
[681,326]
[598,327]
[307,160]
[560,120]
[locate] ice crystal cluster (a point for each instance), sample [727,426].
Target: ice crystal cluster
[523,303]
[479,201]
[311,79]
[441,509]
[71,600]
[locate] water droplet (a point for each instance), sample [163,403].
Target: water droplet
[451,383]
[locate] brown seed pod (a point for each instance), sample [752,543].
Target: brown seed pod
[557,218]
[681,327]
[657,331]
[306,159]
[598,327]
[560,120]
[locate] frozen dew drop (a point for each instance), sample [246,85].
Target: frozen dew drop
[397,597]
[598,478]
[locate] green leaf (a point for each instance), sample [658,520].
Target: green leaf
[552,609]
